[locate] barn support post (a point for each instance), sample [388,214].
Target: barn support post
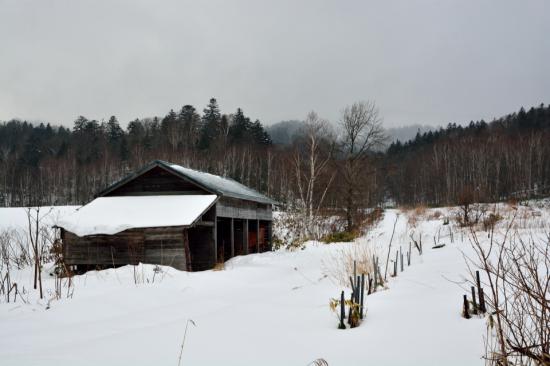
[187,251]
[232,237]
[269,237]
[215,239]
[245,234]
[257,235]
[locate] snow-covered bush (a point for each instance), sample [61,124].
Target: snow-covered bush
[291,230]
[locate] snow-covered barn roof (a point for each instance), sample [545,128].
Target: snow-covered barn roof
[111,215]
[214,184]
[225,186]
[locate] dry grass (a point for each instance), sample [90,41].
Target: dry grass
[490,221]
[339,265]
[219,266]
[420,210]
[416,214]
[436,215]
[486,217]
[369,220]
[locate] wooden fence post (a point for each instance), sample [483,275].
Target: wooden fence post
[350,308]
[474,310]
[395,264]
[342,311]
[358,291]
[482,307]
[355,271]
[466,308]
[362,294]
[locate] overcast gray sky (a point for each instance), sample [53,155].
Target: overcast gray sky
[430,62]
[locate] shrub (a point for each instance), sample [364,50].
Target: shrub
[372,218]
[339,236]
[490,221]
[435,215]
[276,242]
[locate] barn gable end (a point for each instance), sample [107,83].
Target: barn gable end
[155,180]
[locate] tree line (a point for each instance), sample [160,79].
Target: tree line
[506,158]
[44,164]
[342,167]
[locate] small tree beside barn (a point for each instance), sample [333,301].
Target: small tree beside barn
[170,215]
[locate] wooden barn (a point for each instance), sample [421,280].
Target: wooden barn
[170,215]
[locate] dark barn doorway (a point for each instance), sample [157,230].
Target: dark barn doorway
[224,234]
[201,248]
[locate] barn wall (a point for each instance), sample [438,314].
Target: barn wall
[240,209]
[165,246]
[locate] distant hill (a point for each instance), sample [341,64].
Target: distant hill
[406,133]
[283,132]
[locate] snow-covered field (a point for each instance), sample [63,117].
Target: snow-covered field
[16,218]
[262,309]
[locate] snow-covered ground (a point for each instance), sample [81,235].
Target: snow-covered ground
[16,218]
[262,309]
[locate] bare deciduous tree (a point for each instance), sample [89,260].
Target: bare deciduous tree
[311,157]
[362,133]
[517,272]
[39,238]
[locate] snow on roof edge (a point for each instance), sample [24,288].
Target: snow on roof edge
[112,215]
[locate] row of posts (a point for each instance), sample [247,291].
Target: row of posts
[478,302]
[371,282]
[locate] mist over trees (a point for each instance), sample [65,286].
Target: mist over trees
[336,167]
[406,133]
[284,132]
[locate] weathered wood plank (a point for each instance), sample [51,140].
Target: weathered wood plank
[127,247]
[157,181]
[240,209]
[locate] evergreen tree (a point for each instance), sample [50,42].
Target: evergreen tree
[240,128]
[80,124]
[32,152]
[114,131]
[259,135]
[210,124]
[190,120]
[136,132]
[169,120]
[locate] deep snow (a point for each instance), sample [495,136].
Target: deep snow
[262,309]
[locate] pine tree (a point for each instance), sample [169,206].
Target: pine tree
[259,135]
[240,127]
[210,124]
[114,131]
[190,120]
[80,124]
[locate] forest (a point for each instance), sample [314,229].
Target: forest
[340,167]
